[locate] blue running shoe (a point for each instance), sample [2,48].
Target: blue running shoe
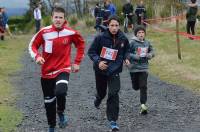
[51,129]
[62,120]
[114,126]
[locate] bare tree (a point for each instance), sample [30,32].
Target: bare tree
[77,4]
[85,7]
[53,2]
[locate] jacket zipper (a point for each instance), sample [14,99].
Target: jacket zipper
[114,40]
[58,33]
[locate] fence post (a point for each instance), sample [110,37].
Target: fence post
[178,39]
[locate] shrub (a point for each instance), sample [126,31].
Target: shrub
[47,21]
[89,22]
[198,17]
[17,24]
[150,11]
[73,20]
[165,12]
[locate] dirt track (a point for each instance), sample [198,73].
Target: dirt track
[171,108]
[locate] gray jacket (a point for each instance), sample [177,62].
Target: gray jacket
[140,53]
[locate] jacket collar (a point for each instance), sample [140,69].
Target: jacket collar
[136,39]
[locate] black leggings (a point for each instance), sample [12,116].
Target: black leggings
[55,91]
[190,27]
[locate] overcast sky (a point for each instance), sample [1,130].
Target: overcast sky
[14,3]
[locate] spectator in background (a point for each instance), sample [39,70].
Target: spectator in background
[109,10]
[128,9]
[5,17]
[97,10]
[191,17]
[110,6]
[38,17]
[2,25]
[140,12]
[97,15]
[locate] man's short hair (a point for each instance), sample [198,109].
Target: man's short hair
[113,17]
[193,1]
[139,28]
[58,9]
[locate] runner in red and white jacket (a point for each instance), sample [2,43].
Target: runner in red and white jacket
[56,49]
[56,41]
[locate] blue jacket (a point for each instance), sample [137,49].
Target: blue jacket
[3,19]
[112,9]
[119,42]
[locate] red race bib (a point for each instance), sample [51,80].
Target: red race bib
[108,53]
[142,52]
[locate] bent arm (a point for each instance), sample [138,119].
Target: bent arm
[93,51]
[80,45]
[34,45]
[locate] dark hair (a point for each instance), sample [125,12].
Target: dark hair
[139,28]
[38,4]
[113,17]
[193,1]
[58,9]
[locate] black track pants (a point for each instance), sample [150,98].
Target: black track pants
[139,82]
[55,91]
[190,27]
[113,83]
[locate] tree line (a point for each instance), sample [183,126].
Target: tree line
[81,7]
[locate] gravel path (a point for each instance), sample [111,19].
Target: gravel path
[171,108]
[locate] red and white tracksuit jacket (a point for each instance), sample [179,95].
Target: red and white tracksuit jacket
[56,49]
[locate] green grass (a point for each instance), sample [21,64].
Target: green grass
[9,118]
[11,51]
[167,66]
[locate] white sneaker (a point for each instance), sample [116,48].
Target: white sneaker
[144,109]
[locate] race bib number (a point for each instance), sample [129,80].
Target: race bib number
[142,51]
[108,53]
[48,46]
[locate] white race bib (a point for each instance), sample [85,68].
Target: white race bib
[142,51]
[108,53]
[48,46]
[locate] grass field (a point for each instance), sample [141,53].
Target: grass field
[10,54]
[167,66]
